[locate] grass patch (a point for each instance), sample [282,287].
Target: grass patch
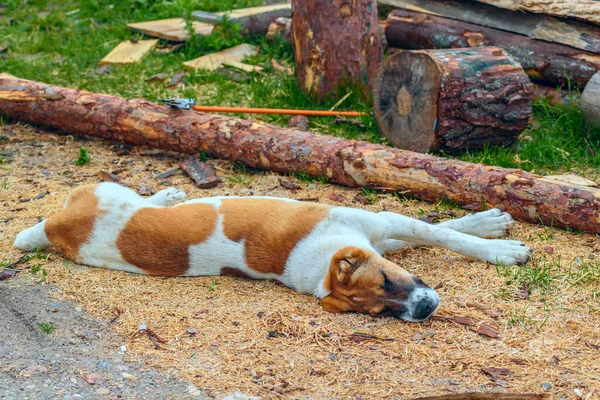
[47,327]
[83,158]
[62,42]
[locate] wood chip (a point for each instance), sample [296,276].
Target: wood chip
[201,172]
[166,174]
[211,62]
[473,324]
[129,52]
[108,177]
[173,29]
[177,79]
[158,78]
[39,196]
[288,185]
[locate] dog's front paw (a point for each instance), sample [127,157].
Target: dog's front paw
[507,252]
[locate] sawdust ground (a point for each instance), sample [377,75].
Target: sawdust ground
[262,338]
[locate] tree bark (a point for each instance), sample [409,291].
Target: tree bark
[572,33]
[526,196]
[547,62]
[581,9]
[452,99]
[336,42]
[590,100]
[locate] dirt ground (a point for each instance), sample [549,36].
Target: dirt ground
[257,337]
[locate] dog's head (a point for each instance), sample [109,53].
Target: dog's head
[365,282]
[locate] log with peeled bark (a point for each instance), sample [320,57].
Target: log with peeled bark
[526,196]
[587,10]
[551,63]
[453,99]
[590,100]
[584,36]
[336,42]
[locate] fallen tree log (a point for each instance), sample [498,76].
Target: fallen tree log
[453,99]
[336,42]
[572,33]
[590,100]
[526,196]
[581,9]
[543,61]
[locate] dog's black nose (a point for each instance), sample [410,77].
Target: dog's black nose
[420,305]
[425,308]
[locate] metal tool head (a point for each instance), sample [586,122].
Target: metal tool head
[179,103]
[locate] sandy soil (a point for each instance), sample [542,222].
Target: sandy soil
[263,339]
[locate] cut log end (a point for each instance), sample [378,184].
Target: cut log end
[451,99]
[405,98]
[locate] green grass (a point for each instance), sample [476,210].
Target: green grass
[47,327]
[83,158]
[62,42]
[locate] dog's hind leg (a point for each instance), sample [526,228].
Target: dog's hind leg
[167,197]
[32,238]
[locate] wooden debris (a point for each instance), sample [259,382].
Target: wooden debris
[300,122]
[535,26]
[288,185]
[8,273]
[452,99]
[552,63]
[177,79]
[173,29]
[335,42]
[473,324]
[166,174]
[281,26]
[162,77]
[168,48]
[498,375]
[153,336]
[253,20]
[104,69]
[584,10]
[233,55]
[129,52]
[526,196]
[590,100]
[108,177]
[202,173]
[572,179]
[36,197]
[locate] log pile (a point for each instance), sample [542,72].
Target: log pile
[526,196]
[452,99]
[551,63]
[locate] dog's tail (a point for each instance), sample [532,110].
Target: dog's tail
[32,238]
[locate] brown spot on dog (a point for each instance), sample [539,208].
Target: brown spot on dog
[237,273]
[70,228]
[271,228]
[157,240]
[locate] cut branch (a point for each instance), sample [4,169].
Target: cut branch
[526,196]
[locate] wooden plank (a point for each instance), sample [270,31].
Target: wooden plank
[170,29]
[581,9]
[129,52]
[536,26]
[213,61]
[242,66]
[253,20]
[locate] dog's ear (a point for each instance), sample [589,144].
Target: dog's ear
[345,262]
[334,305]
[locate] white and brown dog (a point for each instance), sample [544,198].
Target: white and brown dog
[334,253]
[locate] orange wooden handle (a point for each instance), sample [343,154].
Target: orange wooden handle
[248,110]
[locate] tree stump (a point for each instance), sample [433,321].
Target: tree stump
[590,100]
[335,42]
[452,99]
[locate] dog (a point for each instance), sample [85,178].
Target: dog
[334,253]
